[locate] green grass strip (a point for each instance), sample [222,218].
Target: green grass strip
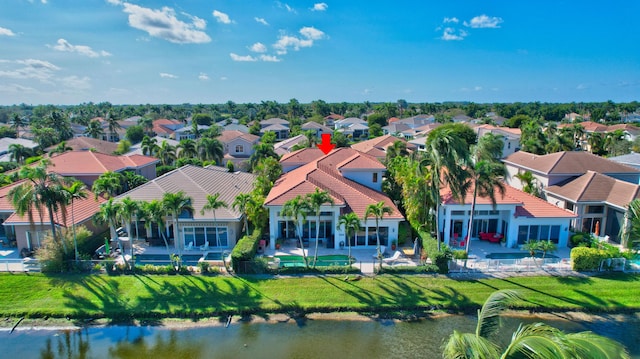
[102,296]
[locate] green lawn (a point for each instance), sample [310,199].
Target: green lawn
[78,296]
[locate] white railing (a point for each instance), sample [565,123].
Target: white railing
[509,265]
[19,265]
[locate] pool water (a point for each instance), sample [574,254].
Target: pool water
[323,261]
[517,255]
[213,256]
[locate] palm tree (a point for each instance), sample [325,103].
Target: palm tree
[19,153]
[297,209]
[315,201]
[75,190]
[128,209]
[147,125]
[155,212]
[377,211]
[109,214]
[112,126]
[149,146]
[166,154]
[261,151]
[60,148]
[174,204]
[241,204]
[187,148]
[630,231]
[213,203]
[536,340]
[398,148]
[528,181]
[486,173]
[351,224]
[94,129]
[210,149]
[42,191]
[109,183]
[17,121]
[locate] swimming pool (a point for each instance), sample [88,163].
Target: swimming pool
[516,255]
[163,259]
[323,261]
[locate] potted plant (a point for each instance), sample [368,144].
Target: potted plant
[393,245]
[503,241]
[279,243]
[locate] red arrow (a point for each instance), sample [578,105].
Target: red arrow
[326,146]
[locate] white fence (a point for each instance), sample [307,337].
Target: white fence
[19,265]
[509,265]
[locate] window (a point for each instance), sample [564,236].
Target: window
[239,149]
[375,177]
[543,233]
[568,206]
[595,209]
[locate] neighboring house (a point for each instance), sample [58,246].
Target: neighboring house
[30,236]
[517,216]
[186,132]
[632,159]
[599,201]
[352,178]
[395,128]
[420,143]
[238,147]
[347,122]
[281,131]
[555,168]
[137,148]
[630,132]
[284,147]
[236,127]
[6,142]
[87,166]
[166,128]
[410,127]
[330,119]
[197,182]
[510,137]
[317,128]
[89,144]
[356,131]
[572,117]
[274,121]
[377,147]
[462,118]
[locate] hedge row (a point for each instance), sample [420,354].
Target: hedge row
[587,259]
[245,249]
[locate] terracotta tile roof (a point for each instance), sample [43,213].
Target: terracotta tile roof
[334,116]
[315,126]
[357,162]
[526,204]
[230,135]
[83,210]
[197,182]
[86,163]
[87,143]
[589,126]
[624,127]
[573,162]
[5,201]
[377,146]
[323,173]
[505,131]
[302,156]
[596,187]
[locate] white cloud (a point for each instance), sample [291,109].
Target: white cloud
[165,25]
[198,23]
[115,2]
[309,34]
[76,83]
[286,6]
[319,6]
[239,58]
[221,17]
[15,88]
[269,58]
[451,19]
[223,78]
[258,47]
[203,77]
[449,34]
[484,21]
[261,21]
[65,46]
[165,75]
[582,87]
[28,69]
[6,32]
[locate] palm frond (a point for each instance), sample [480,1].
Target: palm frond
[536,341]
[489,315]
[469,346]
[587,345]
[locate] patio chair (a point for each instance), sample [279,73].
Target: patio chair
[205,246]
[189,246]
[391,260]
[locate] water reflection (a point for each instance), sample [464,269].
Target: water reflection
[315,339]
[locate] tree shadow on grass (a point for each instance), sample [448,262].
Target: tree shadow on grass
[574,280]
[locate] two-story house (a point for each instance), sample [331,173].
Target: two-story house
[238,147]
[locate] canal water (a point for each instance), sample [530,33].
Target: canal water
[302,338]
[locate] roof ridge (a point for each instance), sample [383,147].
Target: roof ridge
[584,188]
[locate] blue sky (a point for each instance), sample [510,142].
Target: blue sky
[197,51]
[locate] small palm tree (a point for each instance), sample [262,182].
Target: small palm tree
[536,341]
[351,224]
[213,203]
[155,213]
[75,190]
[60,148]
[187,148]
[315,201]
[94,129]
[127,211]
[241,204]
[174,204]
[109,184]
[17,122]
[109,214]
[297,210]
[528,181]
[378,211]
[149,146]
[167,154]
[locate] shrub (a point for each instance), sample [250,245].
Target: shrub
[245,249]
[460,254]
[441,260]
[51,253]
[587,259]
[428,268]
[581,239]
[204,267]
